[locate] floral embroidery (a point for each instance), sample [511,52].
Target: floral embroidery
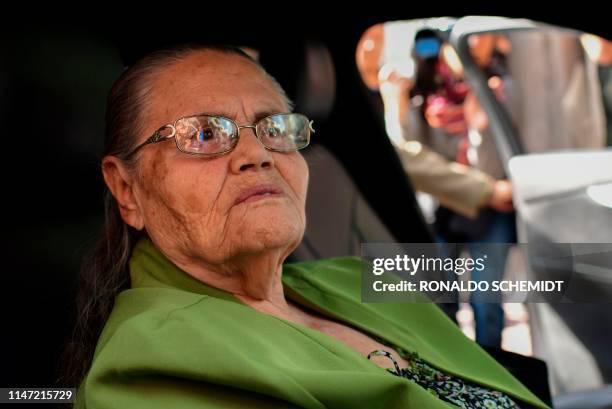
[463,394]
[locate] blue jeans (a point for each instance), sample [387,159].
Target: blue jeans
[488,316]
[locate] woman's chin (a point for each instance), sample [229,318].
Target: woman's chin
[273,233]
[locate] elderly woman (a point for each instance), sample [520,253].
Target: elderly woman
[208,196]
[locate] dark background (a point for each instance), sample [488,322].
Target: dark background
[54,78]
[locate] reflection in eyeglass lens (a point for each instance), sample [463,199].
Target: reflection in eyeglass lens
[206,135]
[211,135]
[284,132]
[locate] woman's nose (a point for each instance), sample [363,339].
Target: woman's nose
[250,154]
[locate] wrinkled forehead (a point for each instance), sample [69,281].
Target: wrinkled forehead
[213,82]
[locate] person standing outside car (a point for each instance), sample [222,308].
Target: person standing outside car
[427,107]
[464,189]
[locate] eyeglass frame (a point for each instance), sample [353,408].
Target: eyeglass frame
[158,137]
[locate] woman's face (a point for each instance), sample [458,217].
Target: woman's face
[194,207]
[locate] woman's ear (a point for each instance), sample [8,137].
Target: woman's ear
[121,184]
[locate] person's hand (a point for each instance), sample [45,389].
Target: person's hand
[397,78]
[501,197]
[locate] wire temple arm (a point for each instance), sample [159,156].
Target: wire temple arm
[156,137]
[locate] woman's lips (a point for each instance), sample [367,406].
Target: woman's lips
[257,193]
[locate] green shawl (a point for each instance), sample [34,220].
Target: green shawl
[173,342]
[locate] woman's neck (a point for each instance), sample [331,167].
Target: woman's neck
[256,281]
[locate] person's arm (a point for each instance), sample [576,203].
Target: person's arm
[393,80]
[461,188]
[396,82]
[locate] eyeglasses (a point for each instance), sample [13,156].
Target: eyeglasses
[214,135]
